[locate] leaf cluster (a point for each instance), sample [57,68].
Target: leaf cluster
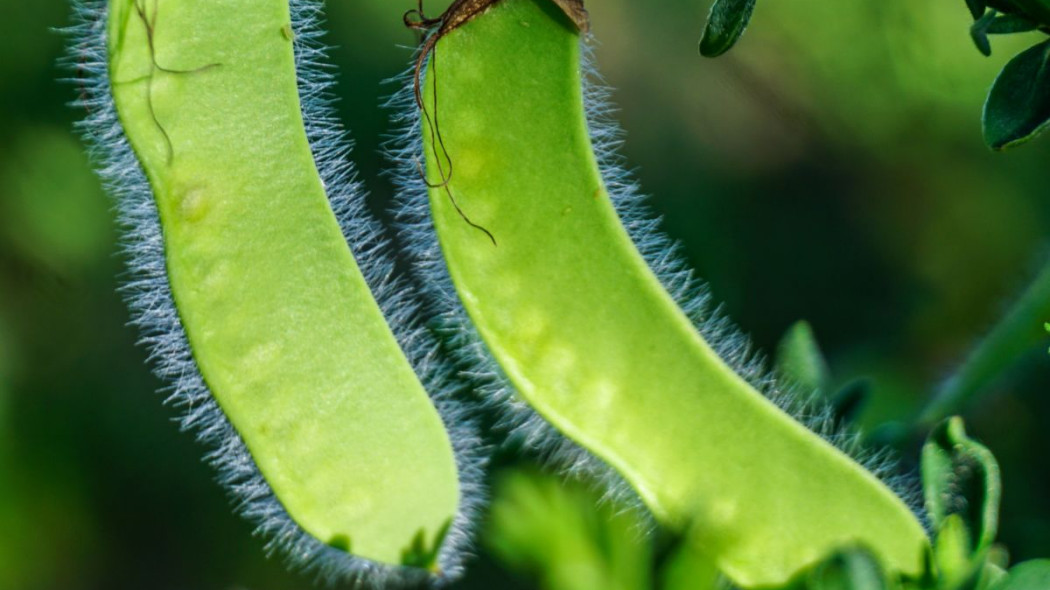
[1018,105]
[1017,108]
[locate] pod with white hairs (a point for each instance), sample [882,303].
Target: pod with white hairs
[589,327]
[211,125]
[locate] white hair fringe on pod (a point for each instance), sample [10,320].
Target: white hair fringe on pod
[148,296]
[517,420]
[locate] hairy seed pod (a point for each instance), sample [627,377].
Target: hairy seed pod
[263,289]
[591,329]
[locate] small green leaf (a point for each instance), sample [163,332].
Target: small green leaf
[1018,106]
[1030,575]
[848,570]
[998,558]
[1008,24]
[979,32]
[953,552]
[850,399]
[418,555]
[566,536]
[961,477]
[725,25]
[992,576]
[799,359]
[688,569]
[853,569]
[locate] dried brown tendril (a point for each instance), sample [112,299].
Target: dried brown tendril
[458,14]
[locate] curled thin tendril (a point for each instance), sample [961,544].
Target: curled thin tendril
[417,20]
[434,29]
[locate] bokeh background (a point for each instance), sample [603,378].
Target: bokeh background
[829,168]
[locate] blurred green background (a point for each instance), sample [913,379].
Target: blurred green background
[829,168]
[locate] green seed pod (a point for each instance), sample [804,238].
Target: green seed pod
[211,124]
[590,328]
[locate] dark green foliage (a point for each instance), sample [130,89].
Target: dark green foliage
[848,402]
[725,25]
[993,23]
[1018,106]
[1007,24]
[979,32]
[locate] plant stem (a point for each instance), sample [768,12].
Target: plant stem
[1016,334]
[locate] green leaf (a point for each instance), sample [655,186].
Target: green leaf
[1007,24]
[1013,336]
[993,573]
[1030,575]
[418,554]
[799,359]
[566,536]
[688,569]
[1018,106]
[953,553]
[800,362]
[849,400]
[979,33]
[854,569]
[961,478]
[725,25]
